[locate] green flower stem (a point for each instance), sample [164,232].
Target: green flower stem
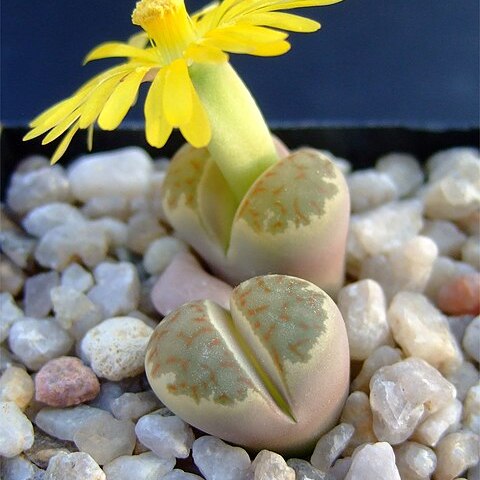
[241,143]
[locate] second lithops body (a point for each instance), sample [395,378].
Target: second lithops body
[273,373]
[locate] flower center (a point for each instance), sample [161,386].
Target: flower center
[167,24]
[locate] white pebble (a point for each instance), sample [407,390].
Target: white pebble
[73,466]
[306,471]
[437,424]
[268,465]
[105,438]
[340,468]
[115,348]
[144,466]
[19,468]
[114,229]
[462,161]
[105,174]
[456,453]
[471,251]
[403,394]
[166,436]
[406,267]
[17,247]
[42,219]
[471,339]
[369,189]
[35,342]
[219,461]
[76,277]
[62,423]
[64,244]
[179,474]
[37,302]
[12,278]
[422,331]
[415,461]
[160,253]
[117,290]
[143,228]
[37,187]
[471,409]
[109,392]
[463,378]
[16,430]
[403,169]
[132,406]
[446,235]
[331,445]
[9,313]
[373,462]
[16,385]
[114,206]
[363,308]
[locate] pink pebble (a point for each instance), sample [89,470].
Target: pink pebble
[65,381]
[183,281]
[461,296]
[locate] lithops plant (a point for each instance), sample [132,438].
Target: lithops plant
[271,373]
[292,220]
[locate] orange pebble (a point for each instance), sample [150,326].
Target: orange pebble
[461,296]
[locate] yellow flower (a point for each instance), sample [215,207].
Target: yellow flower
[172,41]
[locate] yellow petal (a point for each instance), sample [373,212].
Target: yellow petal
[139,40]
[177,98]
[197,131]
[204,54]
[225,42]
[251,34]
[64,144]
[283,21]
[121,100]
[61,127]
[157,129]
[117,49]
[272,49]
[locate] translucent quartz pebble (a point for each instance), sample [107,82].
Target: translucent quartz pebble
[17,247]
[19,468]
[458,325]
[62,423]
[382,229]
[76,277]
[117,290]
[114,229]
[358,413]
[436,425]
[375,462]
[267,465]
[63,244]
[105,174]
[403,394]
[109,391]
[445,270]
[74,311]
[370,189]
[144,466]
[340,468]
[30,189]
[184,280]
[406,267]
[16,430]
[219,461]
[35,342]
[114,206]
[42,219]
[471,409]
[115,348]
[363,308]
[456,452]
[178,474]
[331,445]
[446,235]
[422,331]
[105,438]
[11,277]
[16,385]
[415,461]
[382,356]
[404,171]
[9,313]
[167,436]
[160,253]
[73,466]
[37,302]
[306,471]
[471,251]
[132,406]
[143,229]
[463,377]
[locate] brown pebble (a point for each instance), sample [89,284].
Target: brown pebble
[65,381]
[461,296]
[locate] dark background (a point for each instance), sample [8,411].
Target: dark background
[392,62]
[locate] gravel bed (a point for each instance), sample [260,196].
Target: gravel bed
[86,267]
